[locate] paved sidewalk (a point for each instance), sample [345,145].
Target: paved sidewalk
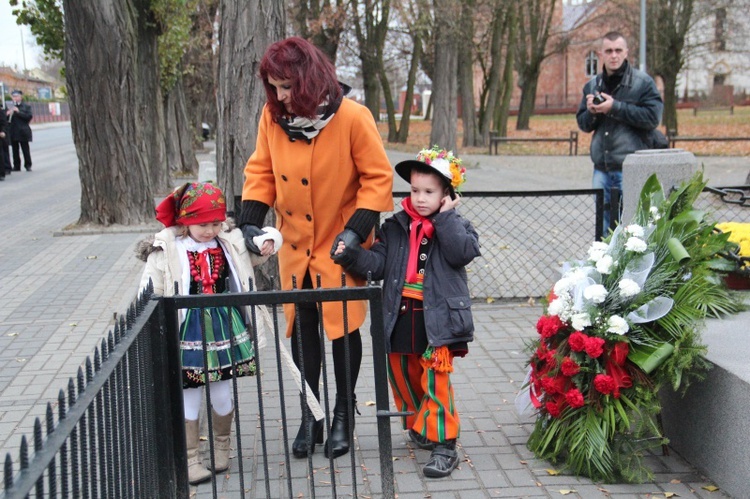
[59,294]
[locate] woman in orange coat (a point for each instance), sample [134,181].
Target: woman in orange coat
[320,162]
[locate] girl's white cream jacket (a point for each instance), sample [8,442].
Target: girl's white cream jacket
[164,268]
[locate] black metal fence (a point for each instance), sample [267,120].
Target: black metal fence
[120,429]
[112,435]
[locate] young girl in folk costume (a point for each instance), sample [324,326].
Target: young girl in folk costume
[203,255]
[426,300]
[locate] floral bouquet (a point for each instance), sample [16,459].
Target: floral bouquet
[617,327]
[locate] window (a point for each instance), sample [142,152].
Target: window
[592,64]
[720,40]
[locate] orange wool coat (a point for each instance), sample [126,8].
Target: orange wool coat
[314,189]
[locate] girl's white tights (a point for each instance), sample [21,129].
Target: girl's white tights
[221,399]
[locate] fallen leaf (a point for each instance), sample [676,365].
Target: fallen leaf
[73,324]
[370,403]
[674,480]
[490,299]
[20,359]
[671,494]
[552,472]
[565,492]
[523,462]
[12,334]
[531,301]
[91,257]
[710,488]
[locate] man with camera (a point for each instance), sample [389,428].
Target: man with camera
[621,105]
[19,115]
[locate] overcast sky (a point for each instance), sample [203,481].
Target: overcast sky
[11,48]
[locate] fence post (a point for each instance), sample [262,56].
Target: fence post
[171,448]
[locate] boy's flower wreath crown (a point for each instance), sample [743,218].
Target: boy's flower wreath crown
[445,163]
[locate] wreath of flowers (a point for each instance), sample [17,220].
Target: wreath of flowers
[457,171]
[618,326]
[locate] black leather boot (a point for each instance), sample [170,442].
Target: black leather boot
[338,441]
[314,429]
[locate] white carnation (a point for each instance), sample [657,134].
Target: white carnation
[595,293]
[617,325]
[628,288]
[580,321]
[604,265]
[556,307]
[635,244]
[563,286]
[597,251]
[635,230]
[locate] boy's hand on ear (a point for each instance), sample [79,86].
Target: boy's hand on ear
[448,204]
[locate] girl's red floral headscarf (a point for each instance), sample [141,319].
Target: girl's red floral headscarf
[192,204]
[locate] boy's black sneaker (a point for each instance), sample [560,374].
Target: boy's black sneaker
[443,460]
[420,441]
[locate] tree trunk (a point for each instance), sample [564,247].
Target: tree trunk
[528,98]
[390,108]
[117,118]
[669,117]
[247,29]
[466,77]
[180,136]
[492,81]
[200,81]
[445,83]
[403,131]
[503,110]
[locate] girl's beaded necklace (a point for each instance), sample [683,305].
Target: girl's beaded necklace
[206,267]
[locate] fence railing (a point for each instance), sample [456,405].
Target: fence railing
[120,429]
[112,435]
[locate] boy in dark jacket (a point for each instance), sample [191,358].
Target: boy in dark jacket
[420,254]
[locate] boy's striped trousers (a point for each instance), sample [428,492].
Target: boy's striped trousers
[427,393]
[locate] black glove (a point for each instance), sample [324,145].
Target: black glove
[250,231]
[350,238]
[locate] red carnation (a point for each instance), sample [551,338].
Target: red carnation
[569,367]
[594,346]
[604,384]
[554,385]
[553,409]
[548,325]
[577,341]
[574,397]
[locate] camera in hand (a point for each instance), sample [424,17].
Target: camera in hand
[598,99]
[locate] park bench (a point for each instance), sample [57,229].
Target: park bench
[673,137]
[729,108]
[572,141]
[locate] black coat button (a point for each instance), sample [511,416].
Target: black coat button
[308,252]
[304,181]
[294,246]
[283,177]
[308,217]
[289,213]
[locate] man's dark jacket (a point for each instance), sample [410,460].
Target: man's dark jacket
[637,109]
[20,131]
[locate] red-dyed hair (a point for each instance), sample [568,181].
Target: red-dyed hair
[312,74]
